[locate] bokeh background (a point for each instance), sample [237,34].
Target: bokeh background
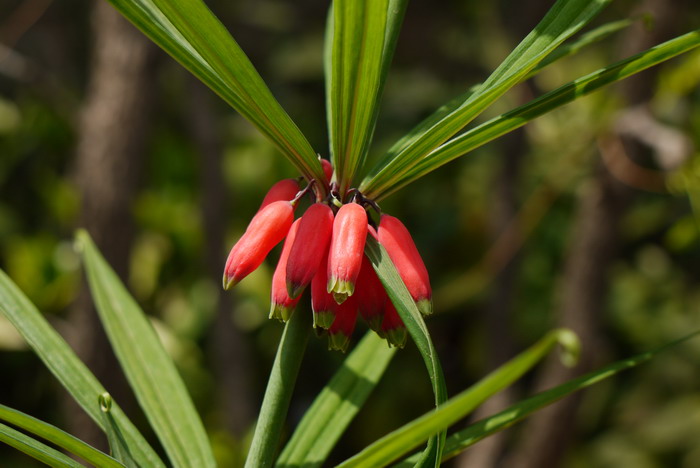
[586,218]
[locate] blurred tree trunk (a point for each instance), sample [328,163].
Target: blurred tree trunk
[549,433]
[110,152]
[229,349]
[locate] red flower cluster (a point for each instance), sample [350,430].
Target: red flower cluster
[325,248]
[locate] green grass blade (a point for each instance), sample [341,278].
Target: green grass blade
[57,437]
[150,371]
[191,34]
[63,363]
[399,295]
[575,46]
[36,449]
[278,393]
[117,444]
[358,34]
[467,437]
[453,104]
[563,20]
[565,94]
[337,404]
[404,439]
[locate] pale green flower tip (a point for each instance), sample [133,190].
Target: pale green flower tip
[280,312]
[340,289]
[396,337]
[338,341]
[323,319]
[425,306]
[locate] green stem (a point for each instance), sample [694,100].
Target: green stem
[279,391]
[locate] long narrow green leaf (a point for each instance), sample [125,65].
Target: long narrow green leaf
[36,449]
[60,359]
[358,33]
[467,437]
[117,444]
[191,34]
[573,47]
[518,117]
[563,20]
[278,393]
[453,104]
[400,297]
[337,404]
[57,437]
[150,371]
[402,440]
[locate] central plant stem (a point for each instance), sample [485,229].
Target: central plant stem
[279,391]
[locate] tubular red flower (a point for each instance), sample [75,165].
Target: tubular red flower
[322,303]
[309,248]
[371,297]
[327,170]
[267,228]
[284,190]
[398,243]
[281,305]
[393,328]
[346,250]
[340,331]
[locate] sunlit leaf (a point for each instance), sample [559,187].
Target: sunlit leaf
[337,404]
[60,359]
[357,34]
[519,116]
[147,366]
[403,440]
[57,437]
[563,20]
[453,104]
[117,444]
[278,393]
[467,437]
[401,298]
[191,33]
[36,449]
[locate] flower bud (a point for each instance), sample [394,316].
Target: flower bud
[327,170]
[340,331]
[284,190]
[397,241]
[346,250]
[309,248]
[393,328]
[371,297]
[322,303]
[267,228]
[281,305]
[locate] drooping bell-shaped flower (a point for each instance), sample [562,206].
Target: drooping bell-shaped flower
[309,248]
[346,250]
[393,328]
[340,331]
[397,241]
[281,305]
[371,296]
[284,190]
[267,228]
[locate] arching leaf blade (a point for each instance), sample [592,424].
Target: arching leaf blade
[191,34]
[65,365]
[565,94]
[151,373]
